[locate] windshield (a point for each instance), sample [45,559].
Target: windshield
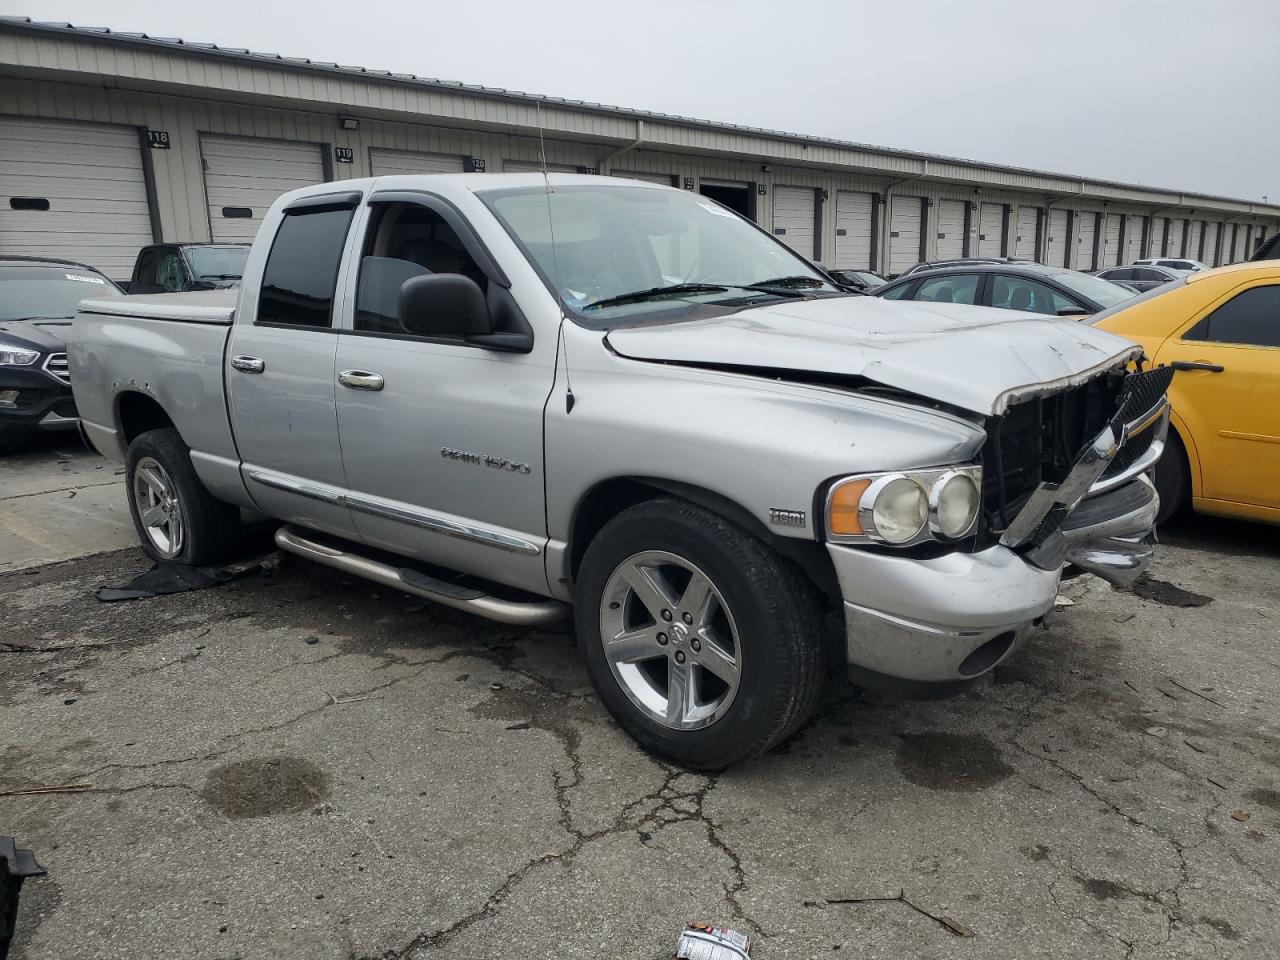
[599,244]
[27,292]
[1102,292]
[222,263]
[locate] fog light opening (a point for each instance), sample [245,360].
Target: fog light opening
[988,655]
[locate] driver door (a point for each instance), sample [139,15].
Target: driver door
[441,439]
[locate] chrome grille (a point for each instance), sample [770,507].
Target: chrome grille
[56,366]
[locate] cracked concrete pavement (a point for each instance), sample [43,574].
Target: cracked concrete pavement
[307,765]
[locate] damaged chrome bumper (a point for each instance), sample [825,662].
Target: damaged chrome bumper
[952,618]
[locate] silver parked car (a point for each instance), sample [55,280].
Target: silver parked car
[624,403]
[1140,278]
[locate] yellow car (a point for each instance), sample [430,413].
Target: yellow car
[1220,329]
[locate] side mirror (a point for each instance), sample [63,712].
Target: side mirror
[452,305]
[444,305]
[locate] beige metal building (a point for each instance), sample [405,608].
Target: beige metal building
[109,141]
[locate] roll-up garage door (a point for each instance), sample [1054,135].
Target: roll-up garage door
[1231,245]
[1176,229]
[663,178]
[794,210]
[1059,254]
[389,163]
[1248,242]
[1133,239]
[853,231]
[950,229]
[904,233]
[243,177]
[534,166]
[1086,237]
[1155,245]
[1193,239]
[1111,251]
[991,230]
[1024,241]
[1210,244]
[74,191]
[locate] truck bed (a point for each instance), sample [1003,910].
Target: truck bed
[166,349]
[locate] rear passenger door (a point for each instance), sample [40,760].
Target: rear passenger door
[280,373]
[441,439]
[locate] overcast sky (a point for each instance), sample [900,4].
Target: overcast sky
[1170,93]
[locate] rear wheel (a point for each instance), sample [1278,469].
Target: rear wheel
[702,642]
[177,519]
[1173,478]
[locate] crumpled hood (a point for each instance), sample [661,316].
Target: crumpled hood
[976,358]
[47,336]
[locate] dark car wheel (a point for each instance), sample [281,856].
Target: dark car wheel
[703,643]
[176,518]
[1173,478]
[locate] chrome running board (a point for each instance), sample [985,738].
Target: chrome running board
[521,613]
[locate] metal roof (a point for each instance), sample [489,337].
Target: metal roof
[243,54]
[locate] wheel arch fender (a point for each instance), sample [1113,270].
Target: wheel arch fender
[137,412]
[1178,428]
[608,498]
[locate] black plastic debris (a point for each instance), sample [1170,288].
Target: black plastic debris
[166,577]
[15,866]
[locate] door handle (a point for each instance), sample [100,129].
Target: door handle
[361,380]
[247,364]
[1197,365]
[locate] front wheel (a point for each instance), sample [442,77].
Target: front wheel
[177,519]
[703,643]
[1172,478]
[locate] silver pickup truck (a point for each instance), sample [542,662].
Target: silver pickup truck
[534,398]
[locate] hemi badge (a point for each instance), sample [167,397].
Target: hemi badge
[786,518]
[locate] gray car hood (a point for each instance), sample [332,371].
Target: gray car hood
[976,358]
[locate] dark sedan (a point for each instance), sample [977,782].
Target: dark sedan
[1011,286]
[1141,279]
[38,300]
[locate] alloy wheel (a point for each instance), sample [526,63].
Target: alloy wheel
[670,640]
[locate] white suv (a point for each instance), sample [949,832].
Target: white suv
[1174,263]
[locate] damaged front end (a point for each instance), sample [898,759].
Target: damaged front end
[1064,482]
[1066,475]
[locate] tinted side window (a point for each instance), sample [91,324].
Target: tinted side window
[1153,275]
[169,271]
[897,293]
[1251,317]
[950,289]
[146,272]
[302,268]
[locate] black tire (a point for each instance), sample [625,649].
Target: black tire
[1173,479]
[777,612]
[211,528]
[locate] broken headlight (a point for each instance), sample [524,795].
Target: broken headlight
[905,507]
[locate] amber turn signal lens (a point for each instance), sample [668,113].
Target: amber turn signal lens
[842,508]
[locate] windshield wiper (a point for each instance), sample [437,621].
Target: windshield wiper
[654,293]
[220,276]
[786,283]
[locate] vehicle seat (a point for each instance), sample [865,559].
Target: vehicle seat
[434,256]
[1021,299]
[944,294]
